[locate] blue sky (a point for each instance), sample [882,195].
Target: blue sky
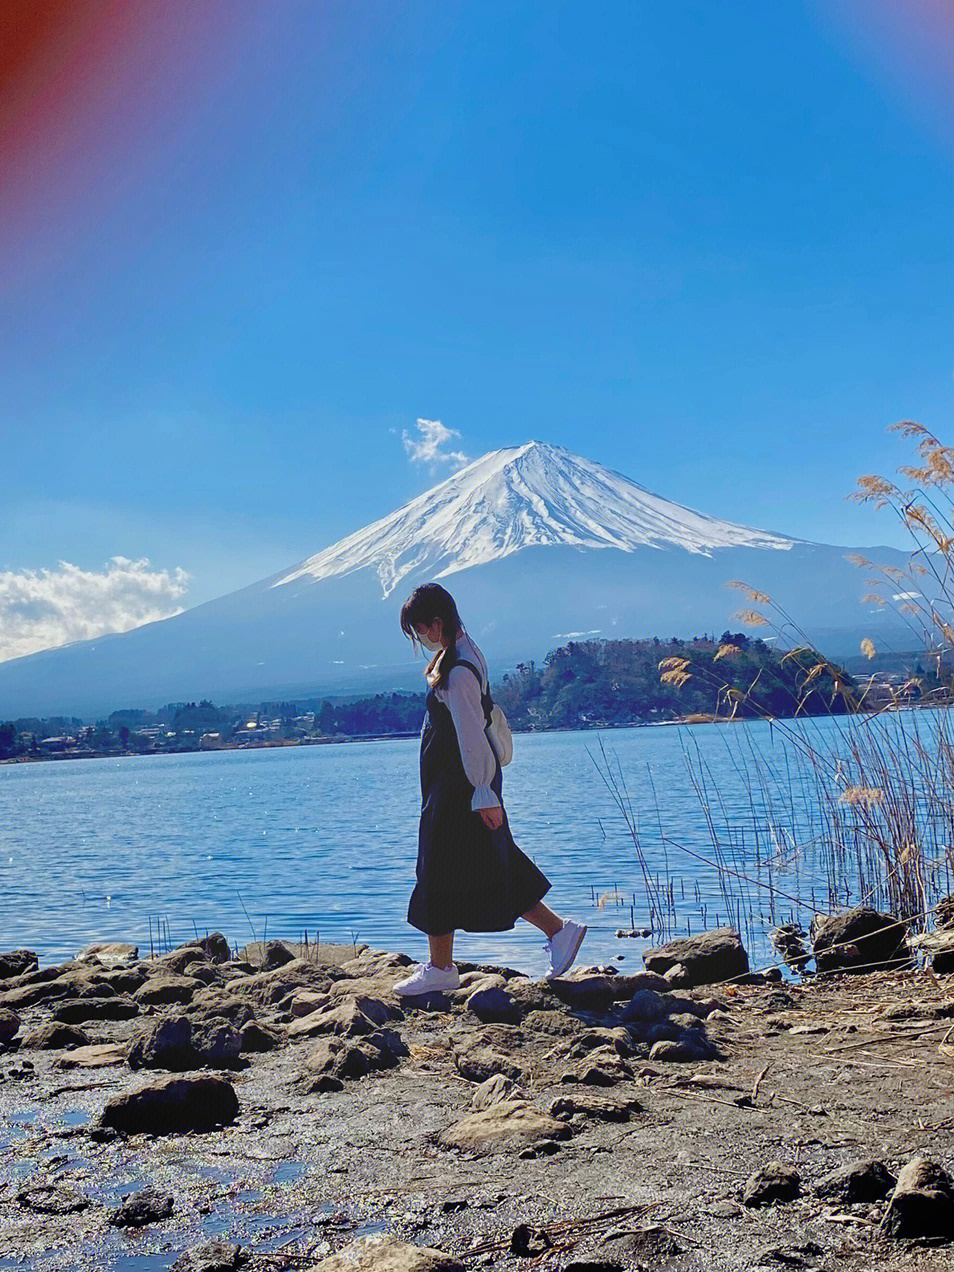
[706,244]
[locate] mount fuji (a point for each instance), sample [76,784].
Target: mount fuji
[538,546]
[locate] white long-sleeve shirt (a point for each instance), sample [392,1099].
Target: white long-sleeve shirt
[461,695]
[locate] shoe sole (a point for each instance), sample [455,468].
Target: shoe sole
[419,993]
[572,955]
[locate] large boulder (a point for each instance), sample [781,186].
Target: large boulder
[178,1043]
[75,1011]
[478,1062]
[335,1060]
[492,1003]
[216,947]
[16,963]
[53,1037]
[504,1126]
[98,1055]
[858,940]
[860,1181]
[922,1204]
[387,1254]
[590,990]
[349,1019]
[171,1105]
[707,959]
[165,989]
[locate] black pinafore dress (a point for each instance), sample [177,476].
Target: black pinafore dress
[468,876]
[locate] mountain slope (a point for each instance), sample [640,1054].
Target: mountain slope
[537,545]
[522,497]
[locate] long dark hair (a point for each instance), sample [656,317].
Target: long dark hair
[422,607]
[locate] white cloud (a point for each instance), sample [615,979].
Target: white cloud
[43,608]
[427,448]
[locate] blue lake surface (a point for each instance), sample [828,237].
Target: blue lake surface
[323,839]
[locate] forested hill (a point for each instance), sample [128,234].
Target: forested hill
[616,681]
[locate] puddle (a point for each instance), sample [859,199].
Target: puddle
[143,1263]
[216,1225]
[26,1117]
[74,1117]
[370,1229]
[288,1236]
[288,1172]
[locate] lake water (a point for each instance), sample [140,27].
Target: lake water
[323,839]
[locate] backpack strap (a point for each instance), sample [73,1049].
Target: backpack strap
[486,701]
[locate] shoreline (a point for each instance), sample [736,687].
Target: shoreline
[600,1120]
[292,744]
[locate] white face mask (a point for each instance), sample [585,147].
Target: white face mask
[432,645]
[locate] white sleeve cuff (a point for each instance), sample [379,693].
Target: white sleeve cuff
[484,798]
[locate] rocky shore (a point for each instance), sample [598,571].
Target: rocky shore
[285,1109]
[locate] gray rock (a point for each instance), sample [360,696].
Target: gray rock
[32,993]
[594,1107]
[494,1004]
[386,1254]
[591,990]
[109,954]
[176,961]
[16,963]
[601,1067]
[346,1020]
[256,1037]
[335,1060]
[276,954]
[170,1105]
[122,980]
[148,1206]
[53,1037]
[210,1256]
[922,1204]
[164,990]
[178,1043]
[858,939]
[493,1090]
[477,1063]
[52,1199]
[687,1049]
[9,1024]
[678,977]
[707,958]
[646,1006]
[216,947]
[74,1011]
[864,1180]
[505,1126]
[772,1183]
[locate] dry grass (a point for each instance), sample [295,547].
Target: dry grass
[877,804]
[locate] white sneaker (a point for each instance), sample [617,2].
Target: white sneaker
[425,978]
[564,947]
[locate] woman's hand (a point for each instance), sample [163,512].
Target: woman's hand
[492,817]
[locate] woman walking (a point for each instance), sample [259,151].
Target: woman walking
[470,873]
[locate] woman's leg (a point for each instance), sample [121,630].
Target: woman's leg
[542,916]
[441,949]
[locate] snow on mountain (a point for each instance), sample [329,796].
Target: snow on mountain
[516,498]
[609,559]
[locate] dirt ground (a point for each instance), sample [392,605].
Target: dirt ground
[813,1075]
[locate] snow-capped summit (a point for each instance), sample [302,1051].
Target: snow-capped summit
[522,497]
